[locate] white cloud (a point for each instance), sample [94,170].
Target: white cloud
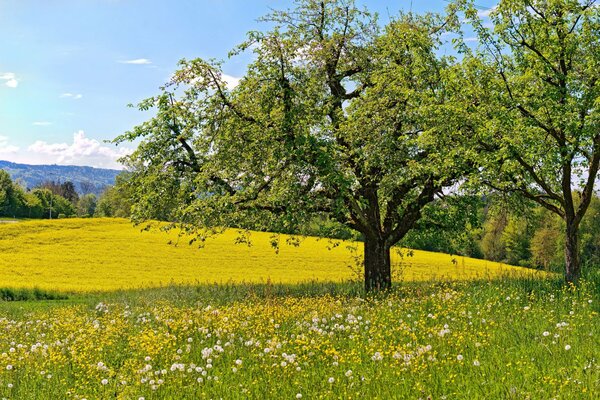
[74,96]
[42,123]
[10,79]
[137,61]
[5,148]
[231,81]
[486,13]
[83,151]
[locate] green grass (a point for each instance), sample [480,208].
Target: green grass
[509,338]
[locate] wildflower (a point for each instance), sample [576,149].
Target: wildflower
[299,395]
[476,363]
[104,381]
[568,347]
[10,385]
[238,362]
[349,373]
[331,380]
[377,356]
[546,333]
[459,357]
[199,380]
[234,370]
[9,367]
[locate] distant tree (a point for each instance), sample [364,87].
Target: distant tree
[67,190]
[86,205]
[492,244]
[117,200]
[516,239]
[335,117]
[532,90]
[545,243]
[12,196]
[52,204]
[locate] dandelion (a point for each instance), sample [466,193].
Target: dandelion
[377,356]
[10,385]
[299,395]
[331,379]
[459,357]
[476,363]
[546,333]
[568,347]
[349,373]
[104,381]
[238,362]
[234,370]
[9,367]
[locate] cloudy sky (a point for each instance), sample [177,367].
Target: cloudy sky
[68,68]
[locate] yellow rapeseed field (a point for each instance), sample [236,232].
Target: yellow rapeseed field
[84,255]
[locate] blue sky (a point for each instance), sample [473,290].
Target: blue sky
[68,68]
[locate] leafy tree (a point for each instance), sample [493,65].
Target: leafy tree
[116,201]
[545,243]
[532,90]
[335,117]
[86,205]
[53,205]
[67,190]
[12,196]
[491,243]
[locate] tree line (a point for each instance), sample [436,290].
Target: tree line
[53,199]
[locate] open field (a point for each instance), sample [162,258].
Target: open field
[85,255]
[524,336]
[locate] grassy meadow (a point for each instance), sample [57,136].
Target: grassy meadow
[279,326]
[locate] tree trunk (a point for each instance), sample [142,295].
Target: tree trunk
[378,272]
[572,261]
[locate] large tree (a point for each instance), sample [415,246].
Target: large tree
[533,95]
[334,116]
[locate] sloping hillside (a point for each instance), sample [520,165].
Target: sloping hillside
[108,254]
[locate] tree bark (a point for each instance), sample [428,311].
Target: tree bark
[572,261]
[378,271]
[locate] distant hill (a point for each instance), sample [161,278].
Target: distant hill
[85,179]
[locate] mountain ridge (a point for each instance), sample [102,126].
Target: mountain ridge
[85,178]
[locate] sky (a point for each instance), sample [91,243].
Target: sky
[69,68]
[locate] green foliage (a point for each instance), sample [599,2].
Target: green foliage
[451,226]
[531,92]
[86,205]
[332,120]
[116,201]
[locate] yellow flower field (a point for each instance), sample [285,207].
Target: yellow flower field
[85,255]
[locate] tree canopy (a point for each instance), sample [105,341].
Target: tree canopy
[532,96]
[335,116]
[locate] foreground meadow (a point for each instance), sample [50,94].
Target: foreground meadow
[83,255]
[503,339]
